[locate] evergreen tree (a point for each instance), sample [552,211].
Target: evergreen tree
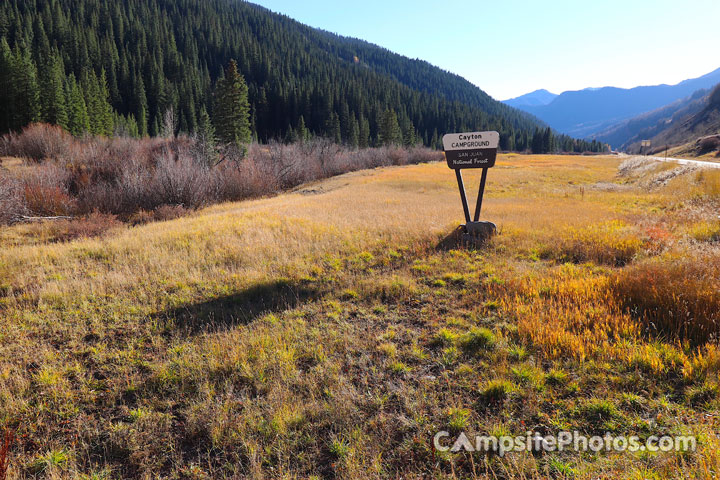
[354,133]
[140,106]
[105,110]
[78,121]
[24,91]
[389,132]
[6,97]
[205,136]
[547,141]
[125,126]
[205,127]
[97,100]
[408,132]
[435,140]
[231,114]
[303,134]
[333,128]
[52,92]
[364,133]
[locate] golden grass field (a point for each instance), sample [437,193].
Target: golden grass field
[321,333]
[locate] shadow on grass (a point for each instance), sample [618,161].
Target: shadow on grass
[242,307]
[452,241]
[457,239]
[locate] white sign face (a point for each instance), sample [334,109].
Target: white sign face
[471,149]
[471,140]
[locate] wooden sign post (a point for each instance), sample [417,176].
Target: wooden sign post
[472,150]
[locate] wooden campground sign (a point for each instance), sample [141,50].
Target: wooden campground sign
[472,150]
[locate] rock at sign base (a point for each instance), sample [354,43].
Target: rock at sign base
[478,232]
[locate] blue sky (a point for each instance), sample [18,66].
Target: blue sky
[511,47]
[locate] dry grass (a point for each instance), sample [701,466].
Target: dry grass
[320,333]
[678,296]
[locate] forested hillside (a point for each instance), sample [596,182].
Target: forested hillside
[103,67]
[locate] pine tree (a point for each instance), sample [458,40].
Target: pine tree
[52,92]
[302,132]
[364,133]
[547,141]
[97,100]
[231,114]
[6,97]
[435,140]
[408,132]
[25,94]
[205,127]
[205,136]
[78,121]
[105,110]
[334,128]
[354,134]
[125,126]
[389,132]
[140,106]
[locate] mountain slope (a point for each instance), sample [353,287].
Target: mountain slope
[649,124]
[585,113]
[536,98]
[693,119]
[158,54]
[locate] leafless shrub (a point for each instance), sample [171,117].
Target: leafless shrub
[424,155]
[246,178]
[160,214]
[11,200]
[131,177]
[45,190]
[93,225]
[37,142]
[181,180]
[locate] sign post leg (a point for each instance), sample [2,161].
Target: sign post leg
[463,197]
[481,192]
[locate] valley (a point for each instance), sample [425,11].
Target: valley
[332,331]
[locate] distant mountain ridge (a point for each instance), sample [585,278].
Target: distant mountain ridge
[536,98]
[586,113]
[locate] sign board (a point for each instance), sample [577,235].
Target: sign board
[471,150]
[645,143]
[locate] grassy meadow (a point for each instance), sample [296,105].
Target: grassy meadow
[322,333]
